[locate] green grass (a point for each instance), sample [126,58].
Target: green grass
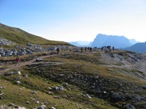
[21,37]
[77,63]
[19,94]
[41,76]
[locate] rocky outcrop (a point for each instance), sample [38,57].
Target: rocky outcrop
[5,41]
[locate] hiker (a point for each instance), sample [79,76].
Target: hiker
[90,49]
[17,60]
[81,49]
[85,49]
[113,48]
[57,50]
[101,48]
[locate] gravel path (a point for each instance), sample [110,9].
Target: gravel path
[21,64]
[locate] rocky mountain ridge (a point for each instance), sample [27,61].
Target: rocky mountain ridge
[112,40]
[138,47]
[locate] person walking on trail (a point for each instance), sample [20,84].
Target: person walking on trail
[58,51]
[17,60]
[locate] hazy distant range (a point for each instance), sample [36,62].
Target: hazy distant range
[120,42]
[105,40]
[81,43]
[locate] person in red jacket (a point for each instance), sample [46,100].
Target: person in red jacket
[17,60]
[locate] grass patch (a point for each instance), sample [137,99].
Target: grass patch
[68,99]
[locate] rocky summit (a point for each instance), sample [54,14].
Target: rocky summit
[74,78]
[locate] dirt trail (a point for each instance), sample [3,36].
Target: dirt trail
[21,64]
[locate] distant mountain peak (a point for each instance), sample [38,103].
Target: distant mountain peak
[112,40]
[138,47]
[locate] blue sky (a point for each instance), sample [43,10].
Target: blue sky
[72,20]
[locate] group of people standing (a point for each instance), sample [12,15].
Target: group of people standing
[107,48]
[86,49]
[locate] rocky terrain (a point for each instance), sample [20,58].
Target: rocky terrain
[4,41]
[77,80]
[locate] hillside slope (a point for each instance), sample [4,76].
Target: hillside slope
[70,80]
[139,47]
[21,37]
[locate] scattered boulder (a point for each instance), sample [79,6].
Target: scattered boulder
[88,96]
[57,97]
[1,93]
[42,107]
[52,108]
[49,88]
[34,92]
[7,74]
[18,72]
[18,78]
[37,102]
[27,102]
[1,97]
[11,104]
[116,97]
[2,87]
[144,87]
[25,75]
[12,73]
[18,82]
[138,98]
[58,88]
[39,60]
[129,106]
[21,107]
[50,93]
[128,97]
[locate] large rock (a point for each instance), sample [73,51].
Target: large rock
[129,106]
[42,107]
[116,97]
